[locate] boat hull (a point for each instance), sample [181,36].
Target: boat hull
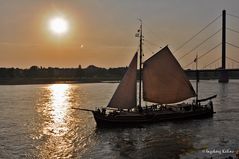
[137,119]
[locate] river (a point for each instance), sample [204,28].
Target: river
[37,121]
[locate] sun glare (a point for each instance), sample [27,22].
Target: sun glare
[58,25]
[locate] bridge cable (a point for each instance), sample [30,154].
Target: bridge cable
[233,16]
[233,45]
[233,30]
[203,54]
[209,51]
[190,39]
[232,59]
[200,44]
[212,62]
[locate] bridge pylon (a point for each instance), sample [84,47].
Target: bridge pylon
[223,78]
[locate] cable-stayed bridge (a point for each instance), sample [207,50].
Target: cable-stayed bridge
[220,50]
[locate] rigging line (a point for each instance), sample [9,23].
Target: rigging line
[232,59]
[212,62]
[233,45]
[233,30]
[148,30]
[233,16]
[151,43]
[203,55]
[200,44]
[197,33]
[147,47]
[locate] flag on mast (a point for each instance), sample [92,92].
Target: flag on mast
[196,59]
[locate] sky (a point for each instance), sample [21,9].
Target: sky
[102,32]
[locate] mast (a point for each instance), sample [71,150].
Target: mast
[197,78]
[140,61]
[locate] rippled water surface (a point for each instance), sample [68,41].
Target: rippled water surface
[37,121]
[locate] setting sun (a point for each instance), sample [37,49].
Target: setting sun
[58,25]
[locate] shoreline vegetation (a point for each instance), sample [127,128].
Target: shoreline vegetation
[51,75]
[30,81]
[90,74]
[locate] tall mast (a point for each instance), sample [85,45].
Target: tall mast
[140,60]
[197,78]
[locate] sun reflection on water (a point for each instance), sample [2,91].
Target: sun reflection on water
[56,109]
[60,106]
[58,129]
[62,131]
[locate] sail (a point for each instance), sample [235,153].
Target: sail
[125,94]
[164,80]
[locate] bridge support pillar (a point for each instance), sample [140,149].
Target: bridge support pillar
[223,76]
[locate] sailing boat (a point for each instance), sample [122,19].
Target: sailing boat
[164,84]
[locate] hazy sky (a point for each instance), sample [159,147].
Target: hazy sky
[106,29]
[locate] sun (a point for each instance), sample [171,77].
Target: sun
[58,25]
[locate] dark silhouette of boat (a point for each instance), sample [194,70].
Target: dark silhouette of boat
[164,83]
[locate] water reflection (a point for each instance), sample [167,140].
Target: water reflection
[58,109]
[57,132]
[150,142]
[37,122]
[63,132]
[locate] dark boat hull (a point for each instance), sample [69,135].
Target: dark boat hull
[138,119]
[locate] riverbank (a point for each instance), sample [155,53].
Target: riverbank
[91,74]
[29,81]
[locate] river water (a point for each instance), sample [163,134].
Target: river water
[37,121]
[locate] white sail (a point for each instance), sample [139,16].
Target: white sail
[164,80]
[125,94]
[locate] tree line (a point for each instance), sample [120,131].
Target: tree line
[54,72]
